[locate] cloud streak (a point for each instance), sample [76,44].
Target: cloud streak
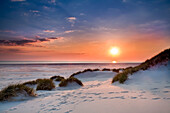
[72,20]
[7,31]
[69,31]
[49,31]
[24,42]
[18,0]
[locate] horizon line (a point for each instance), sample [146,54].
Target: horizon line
[60,62]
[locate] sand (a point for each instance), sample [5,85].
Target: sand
[144,92]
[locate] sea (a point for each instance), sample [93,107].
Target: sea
[19,72]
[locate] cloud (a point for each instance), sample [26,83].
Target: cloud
[52,1]
[11,50]
[49,31]
[18,0]
[34,11]
[82,14]
[69,31]
[37,36]
[7,31]
[124,1]
[72,20]
[70,53]
[24,42]
[153,26]
[104,29]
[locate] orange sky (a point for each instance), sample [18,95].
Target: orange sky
[134,47]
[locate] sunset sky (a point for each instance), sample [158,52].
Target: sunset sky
[83,30]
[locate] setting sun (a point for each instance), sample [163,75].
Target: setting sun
[114,61]
[114,51]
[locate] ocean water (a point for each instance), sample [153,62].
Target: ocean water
[26,71]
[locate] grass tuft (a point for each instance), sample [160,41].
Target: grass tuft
[13,90]
[34,82]
[87,70]
[65,82]
[96,69]
[79,72]
[59,78]
[45,84]
[106,69]
[115,70]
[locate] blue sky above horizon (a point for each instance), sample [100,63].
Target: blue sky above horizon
[71,22]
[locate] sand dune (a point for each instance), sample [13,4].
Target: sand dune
[145,91]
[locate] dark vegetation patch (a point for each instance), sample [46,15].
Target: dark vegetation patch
[92,70]
[96,70]
[65,82]
[161,58]
[116,70]
[79,72]
[33,82]
[106,69]
[45,84]
[13,91]
[86,70]
[57,78]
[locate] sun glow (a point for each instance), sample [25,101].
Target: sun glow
[114,51]
[114,61]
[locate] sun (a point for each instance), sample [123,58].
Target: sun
[114,51]
[114,61]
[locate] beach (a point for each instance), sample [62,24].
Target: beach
[145,91]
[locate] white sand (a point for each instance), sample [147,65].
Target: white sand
[144,92]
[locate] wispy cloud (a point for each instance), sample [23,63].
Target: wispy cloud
[72,31]
[72,20]
[24,42]
[82,14]
[18,0]
[69,31]
[11,50]
[153,26]
[7,31]
[52,2]
[49,31]
[34,11]
[124,0]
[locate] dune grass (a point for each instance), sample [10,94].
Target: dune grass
[86,70]
[96,69]
[158,59]
[65,82]
[53,77]
[33,82]
[57,78]
[116,70]
[121,77]
[13,90]
[106,69]
[45,84]
[92,70]
[79,72]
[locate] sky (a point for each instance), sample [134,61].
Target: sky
[83,30]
